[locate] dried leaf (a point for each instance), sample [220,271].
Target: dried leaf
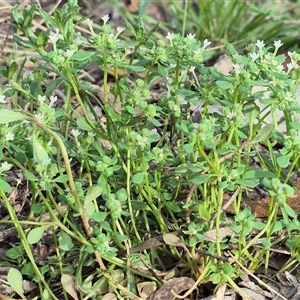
[177,285]
[68,284]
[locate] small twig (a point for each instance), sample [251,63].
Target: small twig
[256,278]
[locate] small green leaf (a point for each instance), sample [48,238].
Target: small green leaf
[83,124]
[12,70]
[249,183]
[93,192]
[22,43]
[172,240]
[36,234]
[203,212]
[29,176]
[130,27]
[138,178]
[163,72]
[83,56]
[65,241]
[37,208]
[263,134]
[135,68]
[230,47]
[99,216]
[48,18]
[259,174]
[40,155]
[61,179]
[225,85]
[136,205]
[285,208]
[283,161]
[251,112]
[7,116]
[199,179]
[4,186]
[188,148]
[15,280]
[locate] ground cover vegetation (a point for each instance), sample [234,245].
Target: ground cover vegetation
[128,189]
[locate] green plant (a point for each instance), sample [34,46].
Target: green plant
[150,167]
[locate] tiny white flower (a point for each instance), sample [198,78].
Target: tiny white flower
[289,67]
[53,99]
[39,116]
[254,56]
[105,18]
[170,36]
[5,166]
[75,132]
[120,29]
[191,36]
[91,134]
[290,54]
[206,43]
[9,136]
[69,53]
[2,99]
[41,99]
[278,44]
[280,68]
[259,44]
[55,37]
[89,21]
[192,69]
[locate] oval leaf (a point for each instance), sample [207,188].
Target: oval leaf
[225,85]
[172,239]
[7,116]
[138,178]
[36,234]
[40,155]
[263,134]
[15,280]
[65,241]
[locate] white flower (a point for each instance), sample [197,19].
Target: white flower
[206,43]
[120,29]
[278,44]
[55,37]
[53,99]
[259,44]
[39,117]
[254,56]
[89,21]
[105,18]
[2,99]
[290,54]
[9,136]
[69,53]
[170,36]
[191,36]
[41,99]
[192,69]
[5,166]
[75,132]
[280,68]
[289,67]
